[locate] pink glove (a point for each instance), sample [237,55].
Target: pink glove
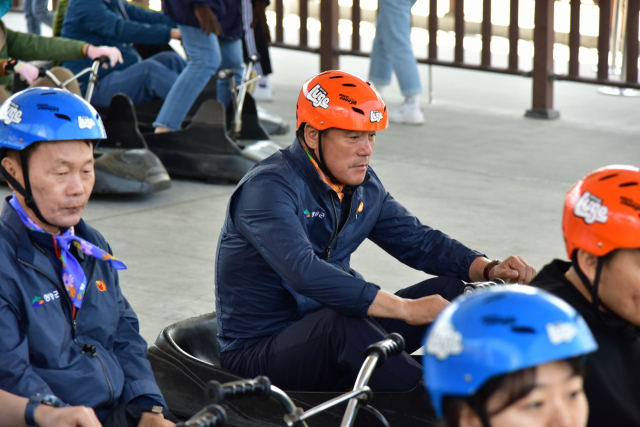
[28,72]
[114,55]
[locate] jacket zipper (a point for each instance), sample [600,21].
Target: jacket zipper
[337,232]
[106,376]
[73,321]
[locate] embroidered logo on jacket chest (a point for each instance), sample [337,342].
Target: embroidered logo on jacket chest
[314,214]
[40,300]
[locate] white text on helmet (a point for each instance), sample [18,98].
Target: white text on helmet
[444,341]
[591,209]
[85,122]
[10,113]
[560,332]
[376,116]
[318,97]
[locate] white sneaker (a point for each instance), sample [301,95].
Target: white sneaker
[410,114]
[263,93]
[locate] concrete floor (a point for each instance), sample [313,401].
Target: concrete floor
[477,170]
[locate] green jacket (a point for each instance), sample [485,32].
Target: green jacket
[29,47]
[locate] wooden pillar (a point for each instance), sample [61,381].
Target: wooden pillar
[604,38]
[633,12]
[486,33]
[543,39]
[329,42]
[514,33]
[574,39]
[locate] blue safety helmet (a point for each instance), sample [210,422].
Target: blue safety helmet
[44,114]
[497,331]
[47,114]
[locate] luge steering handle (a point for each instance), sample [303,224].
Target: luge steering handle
[217,393]
[392,345]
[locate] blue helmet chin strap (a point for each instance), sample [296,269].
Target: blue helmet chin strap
[26,190]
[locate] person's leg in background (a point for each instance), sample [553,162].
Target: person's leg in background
[231,58]
[392,48]
[42,12]
[261,38]
[33,23]
[169,59]
[142,82]
[323,351]
[204,60]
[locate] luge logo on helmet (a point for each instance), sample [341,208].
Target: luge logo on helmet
[444,341]
[318,97]
[85,122]
[10,113]
[376,116]
[560,332]
[591,209]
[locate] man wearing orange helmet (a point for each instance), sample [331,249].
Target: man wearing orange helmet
[601,226]
[289,305]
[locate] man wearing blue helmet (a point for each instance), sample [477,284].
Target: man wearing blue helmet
[508,357]
[67,331]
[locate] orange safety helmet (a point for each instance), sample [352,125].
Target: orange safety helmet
[336,99]
[602,211]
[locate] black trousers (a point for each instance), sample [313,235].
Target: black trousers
[263,49]
[325,350]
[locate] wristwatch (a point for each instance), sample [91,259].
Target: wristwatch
[156,409]
[488,267]
[34,402]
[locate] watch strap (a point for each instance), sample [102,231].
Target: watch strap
[34,402]
[29,412]
[488,267]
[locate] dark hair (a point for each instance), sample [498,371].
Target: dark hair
[516,386]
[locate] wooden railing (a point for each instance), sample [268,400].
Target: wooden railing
[543,75]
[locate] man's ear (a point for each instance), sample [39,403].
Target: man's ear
[588,264]
[469,417]
[14,168]
[311,135]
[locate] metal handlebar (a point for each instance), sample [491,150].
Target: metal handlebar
[93,79]
[473,286]
[377,354]
[210,416]
[260,387]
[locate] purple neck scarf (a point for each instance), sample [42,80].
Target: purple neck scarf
[73,276]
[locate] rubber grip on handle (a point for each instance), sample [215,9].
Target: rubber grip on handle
[392,345]
[210,416]
[217,393]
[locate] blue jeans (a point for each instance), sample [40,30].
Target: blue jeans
[392,48]
[207,54]
[36,12]
[142,82]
